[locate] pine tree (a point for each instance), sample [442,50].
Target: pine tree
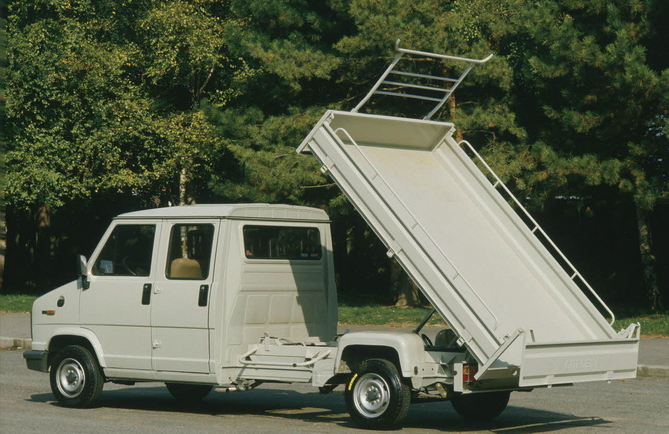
[594,107]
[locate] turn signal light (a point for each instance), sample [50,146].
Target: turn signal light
[468,372]
[48,312]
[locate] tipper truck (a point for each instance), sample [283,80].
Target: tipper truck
[228,297]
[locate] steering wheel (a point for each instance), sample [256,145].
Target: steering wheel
[125,265]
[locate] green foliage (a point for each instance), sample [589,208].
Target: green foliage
[269,169]
[651,325]
[183,45]
[3,73]
[76,123]
[170,101]
[287,43]
[390,316]
[594,106]
[106,100]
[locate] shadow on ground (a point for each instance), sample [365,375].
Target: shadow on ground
[313,408]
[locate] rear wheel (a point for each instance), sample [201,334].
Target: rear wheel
[481,406]
[75,377]
[376,396]
[188,392]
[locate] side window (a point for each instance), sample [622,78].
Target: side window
[189,253]
[282,242]
[127,252]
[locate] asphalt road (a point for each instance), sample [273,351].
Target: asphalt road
[27,406]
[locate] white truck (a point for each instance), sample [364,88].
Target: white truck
[227,297]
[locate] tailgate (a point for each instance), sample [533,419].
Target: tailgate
[575,362]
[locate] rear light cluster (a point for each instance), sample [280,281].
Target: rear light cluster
[469,370]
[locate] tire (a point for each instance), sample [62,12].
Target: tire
[188,392]
[376,397]
[480,407]
[75,377]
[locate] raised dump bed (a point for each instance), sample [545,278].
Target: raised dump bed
[509,300]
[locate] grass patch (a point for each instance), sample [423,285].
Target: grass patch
[651,324]
[385,315]
[16,302]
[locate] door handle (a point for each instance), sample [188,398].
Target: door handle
[204,295]
[146,294]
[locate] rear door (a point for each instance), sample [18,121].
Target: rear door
[180,303]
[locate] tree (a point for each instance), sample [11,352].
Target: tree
[594,108]
[96,107]
[137,103]
[69,104]
[76,125]
[288,60]
[183,61]
[3,69]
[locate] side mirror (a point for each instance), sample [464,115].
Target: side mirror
[81,268]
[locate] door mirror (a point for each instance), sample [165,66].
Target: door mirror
[81,265]
[81,269]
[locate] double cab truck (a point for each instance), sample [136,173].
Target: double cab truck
[228,297]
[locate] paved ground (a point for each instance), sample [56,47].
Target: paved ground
[27,406]
[653,353]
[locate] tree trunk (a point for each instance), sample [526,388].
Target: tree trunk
[183,180]
[648,260]
[355,257]
[451,105]
[42,258]
[407,293]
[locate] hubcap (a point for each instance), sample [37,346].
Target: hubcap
[70,378]
[371,395]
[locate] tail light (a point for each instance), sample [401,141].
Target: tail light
[468,372]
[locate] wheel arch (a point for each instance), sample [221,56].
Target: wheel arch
[81,337]
[353,355]
[405,350]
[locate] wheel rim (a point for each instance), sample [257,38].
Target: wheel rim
[70,378]
[371,395]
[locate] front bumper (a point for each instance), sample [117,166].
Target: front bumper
[37,360]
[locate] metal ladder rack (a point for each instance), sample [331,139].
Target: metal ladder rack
[436,85]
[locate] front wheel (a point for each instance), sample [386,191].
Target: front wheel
[376,397]
[481,407]
[75,377]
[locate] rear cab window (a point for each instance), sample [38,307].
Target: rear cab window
[282,243]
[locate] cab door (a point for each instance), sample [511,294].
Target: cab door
[180,303]
[116,305]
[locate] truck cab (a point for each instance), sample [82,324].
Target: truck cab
[178,294]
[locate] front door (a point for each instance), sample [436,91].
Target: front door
[180,304]
[117,304]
